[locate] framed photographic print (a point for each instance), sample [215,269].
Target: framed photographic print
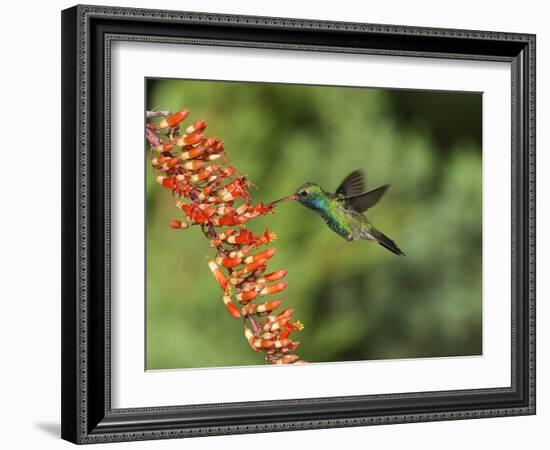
[282,224]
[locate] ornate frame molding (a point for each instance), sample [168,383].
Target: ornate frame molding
[88,32]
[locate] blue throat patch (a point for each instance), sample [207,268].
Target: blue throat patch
[316,202]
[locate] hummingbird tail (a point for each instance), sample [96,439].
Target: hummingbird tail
[385,242]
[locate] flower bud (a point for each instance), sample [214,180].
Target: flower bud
[197,126]
[189,139]
[161,148]
[228,262]
[274,288]
[269,306]
[190,154]
[255,265]
[231,307]
[247,296]
[193,165]
[210,143]
[218,274]
[203,174]
[178,224]
[174,119]
[169,183]
[260,310]
[172,162]
[266,254]
[273,276]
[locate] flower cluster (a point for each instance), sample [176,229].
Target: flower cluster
[214,197]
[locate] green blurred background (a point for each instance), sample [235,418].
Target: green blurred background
[357,300]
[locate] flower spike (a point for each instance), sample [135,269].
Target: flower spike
[218,200]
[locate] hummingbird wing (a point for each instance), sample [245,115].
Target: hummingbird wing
[352,185]
[365,200]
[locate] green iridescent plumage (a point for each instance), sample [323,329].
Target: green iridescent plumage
[342,211]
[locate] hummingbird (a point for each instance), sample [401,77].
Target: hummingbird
[343,210]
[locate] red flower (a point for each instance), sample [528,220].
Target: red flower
[206,194]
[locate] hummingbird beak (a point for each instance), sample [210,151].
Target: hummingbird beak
[284,199]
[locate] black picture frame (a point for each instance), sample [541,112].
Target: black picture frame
[87,33]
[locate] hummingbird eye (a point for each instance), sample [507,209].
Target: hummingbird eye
[303,193]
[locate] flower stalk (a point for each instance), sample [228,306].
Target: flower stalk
[215,198]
